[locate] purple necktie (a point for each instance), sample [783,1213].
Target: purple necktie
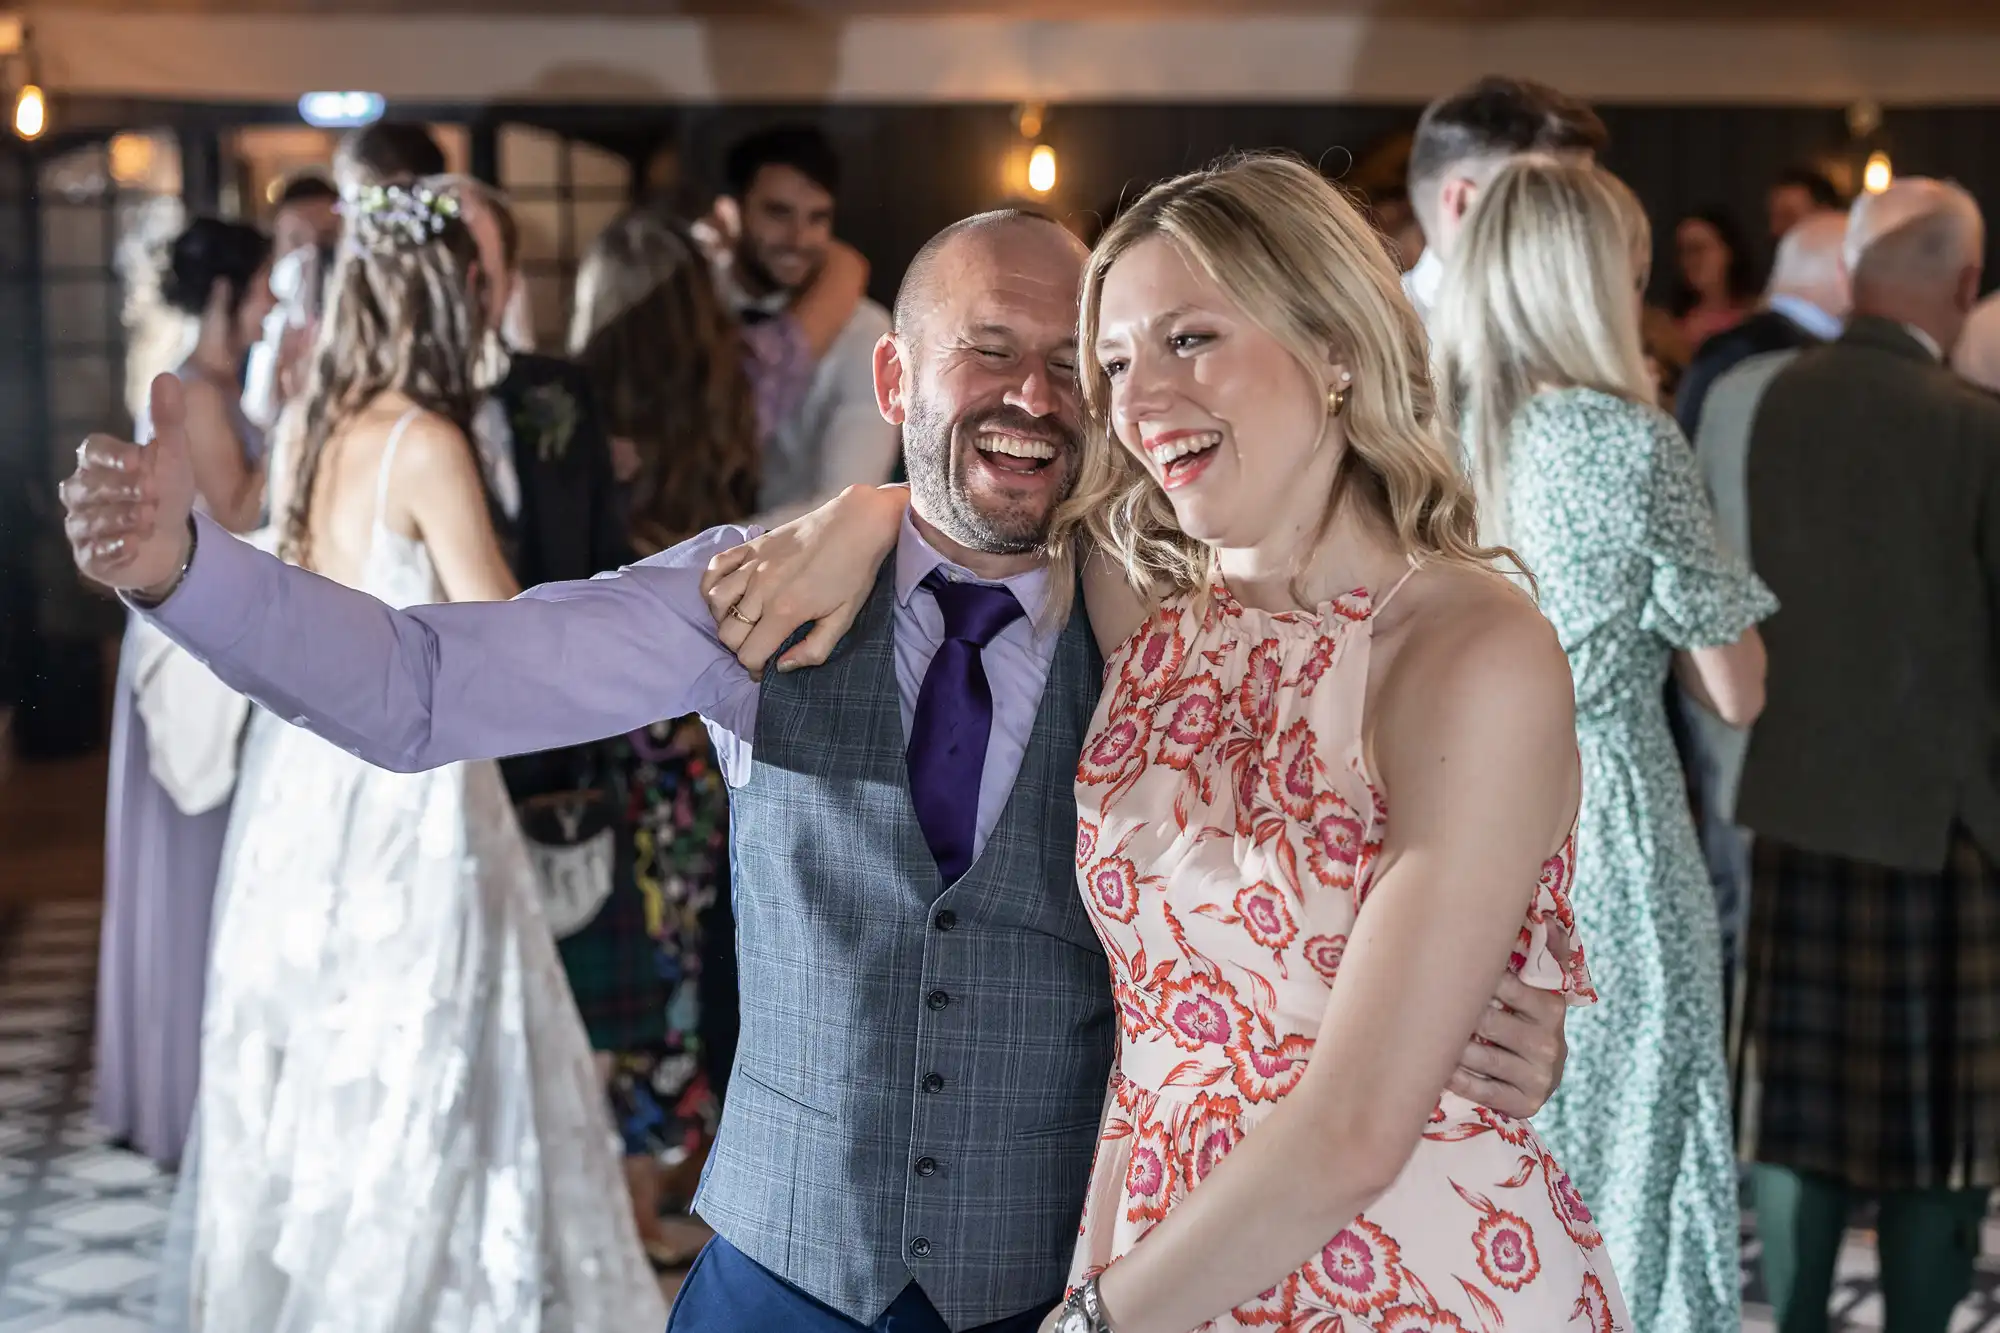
[954,718]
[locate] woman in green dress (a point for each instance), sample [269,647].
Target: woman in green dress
[1594,487]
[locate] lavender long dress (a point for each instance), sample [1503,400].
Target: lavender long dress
[160,868]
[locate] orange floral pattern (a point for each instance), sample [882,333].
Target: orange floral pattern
[1227,842]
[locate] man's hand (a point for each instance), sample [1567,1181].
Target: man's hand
[1514,1062]
[128,505]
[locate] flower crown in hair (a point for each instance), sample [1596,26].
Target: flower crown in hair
[400,214]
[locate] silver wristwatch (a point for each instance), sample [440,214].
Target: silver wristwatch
[1083,1312]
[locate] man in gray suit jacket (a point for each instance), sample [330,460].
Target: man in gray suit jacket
[1714,748]
[1872,783]
[927,1019]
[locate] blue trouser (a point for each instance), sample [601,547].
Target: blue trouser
[728,1292]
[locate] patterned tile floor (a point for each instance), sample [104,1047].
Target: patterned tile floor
[80,1222]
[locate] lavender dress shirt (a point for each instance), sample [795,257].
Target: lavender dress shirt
[559,665]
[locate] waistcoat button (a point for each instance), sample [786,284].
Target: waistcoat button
[947,919]
[920,1247]
[933,1082]
[937,999]
[927,1166]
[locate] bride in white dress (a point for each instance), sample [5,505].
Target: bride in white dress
[400,1127]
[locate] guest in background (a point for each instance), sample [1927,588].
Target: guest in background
[1715,279]
[160,862]
[542,445]
[773,232]
[1872,1000]
[303,233]
[1578,471]
[1798,194]
[560,515]
[687,394]
[1804,304]
[1977,356]
[307,217]
[385,153]
[1711,748]
[1462,142]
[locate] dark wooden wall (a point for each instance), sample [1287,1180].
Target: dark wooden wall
[910,170]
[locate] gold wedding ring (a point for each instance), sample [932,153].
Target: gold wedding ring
[736,614]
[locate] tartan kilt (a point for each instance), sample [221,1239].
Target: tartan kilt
[614,968]
[612,961]
[1870,1047]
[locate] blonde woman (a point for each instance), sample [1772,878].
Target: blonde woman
[1325,805]
[1594,487]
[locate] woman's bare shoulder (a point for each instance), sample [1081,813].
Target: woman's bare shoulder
[431,447]
[1473,636]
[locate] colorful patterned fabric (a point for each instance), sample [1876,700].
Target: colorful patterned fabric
[665,1093]
[1228,842]
[1608,510]
[1872,1025]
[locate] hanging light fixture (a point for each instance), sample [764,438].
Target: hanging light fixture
[1042,169]
[31,111]
[1878,174]
[1030,166]
[31,104]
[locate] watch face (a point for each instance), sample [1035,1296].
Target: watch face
[1074,1321]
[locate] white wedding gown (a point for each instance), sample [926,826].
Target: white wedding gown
[400,1128]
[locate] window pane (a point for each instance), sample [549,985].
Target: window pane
[146,162]
[81,173]
[591,216]
[541,229]
[528,157]
[14,232]
[82,394]
[457,146]
[73,235]
[78,311]
[591,168]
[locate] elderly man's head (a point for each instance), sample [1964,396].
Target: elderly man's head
[980,372]
[1809,264]
[1914,254]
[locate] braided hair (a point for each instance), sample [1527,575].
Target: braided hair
[402,317]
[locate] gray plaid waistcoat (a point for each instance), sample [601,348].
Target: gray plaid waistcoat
[922,1068]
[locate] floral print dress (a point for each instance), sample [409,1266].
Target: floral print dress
[1227,842]
[668,1096]
[1606,507]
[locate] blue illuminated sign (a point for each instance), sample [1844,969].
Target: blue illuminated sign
[341,110]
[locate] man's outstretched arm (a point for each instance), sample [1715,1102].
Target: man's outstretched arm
[404,689]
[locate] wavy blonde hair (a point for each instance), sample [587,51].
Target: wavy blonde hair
[1296,255]
[1542,292]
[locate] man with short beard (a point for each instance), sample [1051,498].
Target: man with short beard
[772,229]
[927,1018]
